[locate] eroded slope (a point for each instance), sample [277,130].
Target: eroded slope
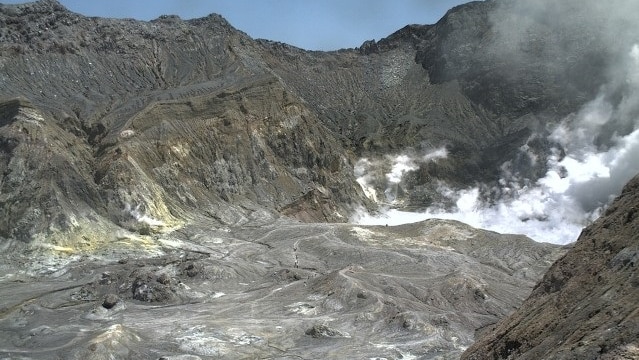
[422,88]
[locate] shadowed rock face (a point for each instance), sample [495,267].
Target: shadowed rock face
[585,307]
[516,57]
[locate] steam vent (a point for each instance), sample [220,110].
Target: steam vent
[175,189]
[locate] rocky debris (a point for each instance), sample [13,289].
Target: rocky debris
[191,270]
[585,307]
[149,287]
[323,331]
[135,282]
[288,275]
[110,300]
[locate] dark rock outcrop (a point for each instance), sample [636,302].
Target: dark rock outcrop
[110,300]
[517,58]
[585,307]
[323,331]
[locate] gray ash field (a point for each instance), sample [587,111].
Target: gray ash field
[282,290]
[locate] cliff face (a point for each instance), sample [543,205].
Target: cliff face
[168,121]
[209,119]
[517,58]
[585,307]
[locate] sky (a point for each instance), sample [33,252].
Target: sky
[311,25]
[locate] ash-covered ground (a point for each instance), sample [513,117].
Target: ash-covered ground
[282,290]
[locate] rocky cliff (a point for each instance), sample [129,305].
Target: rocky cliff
[174,119]
[585,307]
[152,124]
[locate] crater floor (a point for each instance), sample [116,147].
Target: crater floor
[282,290]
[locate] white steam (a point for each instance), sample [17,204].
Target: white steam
[368,172]
[401,164]
[141,217]
[597,153]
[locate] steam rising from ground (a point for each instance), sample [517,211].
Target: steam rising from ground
[596,152]
[387,173]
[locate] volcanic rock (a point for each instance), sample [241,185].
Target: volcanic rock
[110,300]
[323,331]
[149,125]
[423,293]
